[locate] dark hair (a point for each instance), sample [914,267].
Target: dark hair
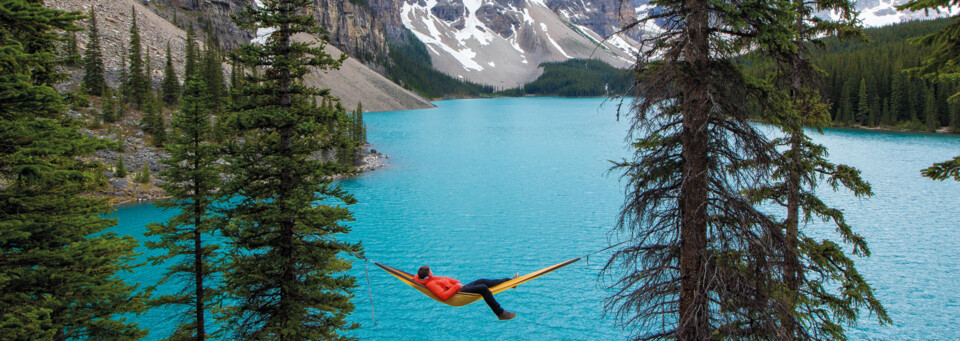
[423,272]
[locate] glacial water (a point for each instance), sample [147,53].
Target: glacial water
[488,188]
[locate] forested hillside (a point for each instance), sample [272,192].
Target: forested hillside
[866,85]
[577,78]
[412,69]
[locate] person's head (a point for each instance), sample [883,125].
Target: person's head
[424,272]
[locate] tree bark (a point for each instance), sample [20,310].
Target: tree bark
[694,314]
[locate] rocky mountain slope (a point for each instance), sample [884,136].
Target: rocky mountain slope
[355,82]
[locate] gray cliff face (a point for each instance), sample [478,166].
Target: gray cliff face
[499,20]
[605,17]
[449,10]
[353,27]
[388,14]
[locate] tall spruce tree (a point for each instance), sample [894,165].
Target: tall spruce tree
[809,304]
[359,127]
[896,99]
[170,87]
[864,112]
[93,79]
[58,269]
[192,178]
[138,82]
[212,70]
[701,259]
[190,66]
[930,112]
[71,49]
[285,277]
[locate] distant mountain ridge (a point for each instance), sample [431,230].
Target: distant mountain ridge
[496,43]
[502,43]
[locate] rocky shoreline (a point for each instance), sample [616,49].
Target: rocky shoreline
[122,191]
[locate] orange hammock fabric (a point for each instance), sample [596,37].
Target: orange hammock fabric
[463,298]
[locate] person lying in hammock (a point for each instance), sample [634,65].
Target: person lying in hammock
[445,287]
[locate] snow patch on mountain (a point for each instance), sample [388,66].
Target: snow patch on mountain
[503,42]
[875,13]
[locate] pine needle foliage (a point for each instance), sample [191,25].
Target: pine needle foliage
[811,304]
[211,66]
[58,268]
[137,85]
[190,65]
[71,51]
[170,86]
[285,277]
[191,179]
[143,175]
[93,79]
[119,169]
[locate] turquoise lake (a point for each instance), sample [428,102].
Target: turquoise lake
[487,188]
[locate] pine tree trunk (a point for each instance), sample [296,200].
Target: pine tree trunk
[288,275]
[197,243]
[791,262]
[198,274]
[694,310]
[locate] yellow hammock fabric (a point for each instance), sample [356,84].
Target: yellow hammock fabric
[463,298]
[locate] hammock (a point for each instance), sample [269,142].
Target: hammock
[463,298]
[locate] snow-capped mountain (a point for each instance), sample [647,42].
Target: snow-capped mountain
[503,42]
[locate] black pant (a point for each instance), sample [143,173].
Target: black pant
[482,287]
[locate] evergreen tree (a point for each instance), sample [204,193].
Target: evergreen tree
[886,117]
[170,87]
[71,50]
[138,82]
[692,233]
[930,112]
[896,98]
[120,170]
[153,124]
[108,112]
[58,268]
[285,277]
[810,306]
[846,107]
[190,66]
[192,178]
[212,69]
[143,176]
[864,114]
[121,144]
[236,81]
[124,78]
[93,79]
[359,128]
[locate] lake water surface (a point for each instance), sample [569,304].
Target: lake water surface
[488,188]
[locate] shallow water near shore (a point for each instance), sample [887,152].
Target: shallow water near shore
[488,188]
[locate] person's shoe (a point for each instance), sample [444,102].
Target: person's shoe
[506,315]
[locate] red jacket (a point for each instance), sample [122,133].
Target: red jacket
[442,287]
